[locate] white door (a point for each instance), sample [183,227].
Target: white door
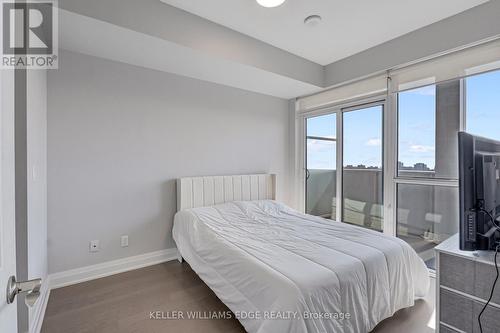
[8,312]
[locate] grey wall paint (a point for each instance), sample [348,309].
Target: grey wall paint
[157,19]
[473,25]
[119,136]
[36,117]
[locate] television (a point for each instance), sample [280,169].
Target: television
[479,185]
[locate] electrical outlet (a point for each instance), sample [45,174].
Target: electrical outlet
[124,241]
[94,246]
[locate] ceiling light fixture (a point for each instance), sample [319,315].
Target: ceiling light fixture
[270,3]
[312,20]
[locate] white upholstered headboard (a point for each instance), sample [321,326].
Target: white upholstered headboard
[208,191]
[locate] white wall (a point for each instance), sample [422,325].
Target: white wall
[119,136]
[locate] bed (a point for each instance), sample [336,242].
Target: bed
[279,270]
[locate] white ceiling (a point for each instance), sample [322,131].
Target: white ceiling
[348,26]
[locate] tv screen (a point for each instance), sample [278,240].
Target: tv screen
[479,183]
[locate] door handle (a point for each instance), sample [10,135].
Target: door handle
[31,288]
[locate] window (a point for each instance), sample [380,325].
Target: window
[321,150]
[483,104]
[362,174]
[426,216]
[414,195]
[417,132]
[428,125]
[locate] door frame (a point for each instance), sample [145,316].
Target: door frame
[8,313]
[387,148]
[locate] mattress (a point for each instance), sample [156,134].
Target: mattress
[279,270]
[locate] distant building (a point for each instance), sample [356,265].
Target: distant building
[417,166]
[362,167]
[421,167]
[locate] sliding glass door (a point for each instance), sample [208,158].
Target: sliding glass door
[321,165]
[348,139]
[362,172]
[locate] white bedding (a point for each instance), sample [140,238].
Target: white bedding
[268,261]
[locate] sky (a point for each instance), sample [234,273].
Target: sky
[362,139]
[417,109]
[417,126]
[483,105]
[321,154]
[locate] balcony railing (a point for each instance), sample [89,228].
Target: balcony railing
[419,220]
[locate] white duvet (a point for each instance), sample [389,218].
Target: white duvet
[282,271]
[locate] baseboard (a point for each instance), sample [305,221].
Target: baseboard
[40,306]
[66,278]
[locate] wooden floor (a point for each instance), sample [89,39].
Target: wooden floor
[123,302]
